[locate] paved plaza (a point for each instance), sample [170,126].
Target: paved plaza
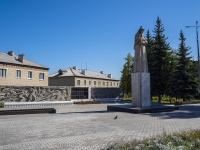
[89,127]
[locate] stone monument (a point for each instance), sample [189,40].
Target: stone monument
[140,76]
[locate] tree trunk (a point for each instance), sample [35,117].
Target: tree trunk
[159,98]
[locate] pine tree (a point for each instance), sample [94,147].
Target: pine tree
[173,64]
[160,72]
[149,48]
[185,81]
[126,75]
[150,58]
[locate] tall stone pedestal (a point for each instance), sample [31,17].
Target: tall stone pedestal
[141,90]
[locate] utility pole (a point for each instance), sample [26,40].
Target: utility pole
[196,27]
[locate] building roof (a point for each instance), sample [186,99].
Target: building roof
[82,73]
[14,59]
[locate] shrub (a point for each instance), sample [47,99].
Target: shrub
[1,104]
[177,141]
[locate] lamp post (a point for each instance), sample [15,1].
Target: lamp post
[196,27]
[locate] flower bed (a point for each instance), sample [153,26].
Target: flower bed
[177,141]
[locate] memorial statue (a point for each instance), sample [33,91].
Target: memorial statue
[140,59]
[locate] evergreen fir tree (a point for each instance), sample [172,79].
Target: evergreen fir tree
[126,75]
[160,72]
[150,58]
[173,64]
[185,80]
[149,48]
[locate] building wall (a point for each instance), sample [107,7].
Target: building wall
[99,83]
[61,81]
[12,80]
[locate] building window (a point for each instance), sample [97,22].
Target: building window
[99,83]
[78,82]
[29,75]
[117,84]
[84,82]
[110,83]
[95,82]
[114,84]
[41,76]
[3,73]
[103,83]
[107,84]
[18,74]
[89,82]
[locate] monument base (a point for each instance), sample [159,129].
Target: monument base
[141,90]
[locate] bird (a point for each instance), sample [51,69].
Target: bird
[115,117]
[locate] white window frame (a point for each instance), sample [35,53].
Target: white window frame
[41,76]
[3,72]
[31,75]
[18,74]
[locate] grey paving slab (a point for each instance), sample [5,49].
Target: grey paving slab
[89,127]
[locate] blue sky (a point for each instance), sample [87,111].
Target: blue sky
[64,33]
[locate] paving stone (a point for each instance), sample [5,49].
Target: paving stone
[92,127]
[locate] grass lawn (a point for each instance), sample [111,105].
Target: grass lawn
[1,104]
[165,100]
[176,141]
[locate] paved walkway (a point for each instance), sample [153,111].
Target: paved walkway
[89,127]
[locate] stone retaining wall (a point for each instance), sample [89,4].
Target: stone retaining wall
[34,94]
[51,93]
[105,93]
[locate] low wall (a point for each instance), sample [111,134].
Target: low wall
[34,94]
[97,93]
[51,93]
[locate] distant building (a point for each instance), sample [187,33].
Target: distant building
[19,71]
[82,78]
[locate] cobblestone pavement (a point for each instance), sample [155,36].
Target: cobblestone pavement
[89,127]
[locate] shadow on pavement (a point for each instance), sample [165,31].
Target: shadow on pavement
[185,112]
[87,112]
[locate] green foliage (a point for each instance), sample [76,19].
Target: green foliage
[126,75]
[172,72]
[164,99]
[127,98]
[87,102]
[184,83]
[159,61]
[1,104]
[178,141]
[149,49]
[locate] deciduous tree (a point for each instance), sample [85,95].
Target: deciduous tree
[126,75]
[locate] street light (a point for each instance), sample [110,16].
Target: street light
[197,45]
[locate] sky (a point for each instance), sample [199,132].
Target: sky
[91,34]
